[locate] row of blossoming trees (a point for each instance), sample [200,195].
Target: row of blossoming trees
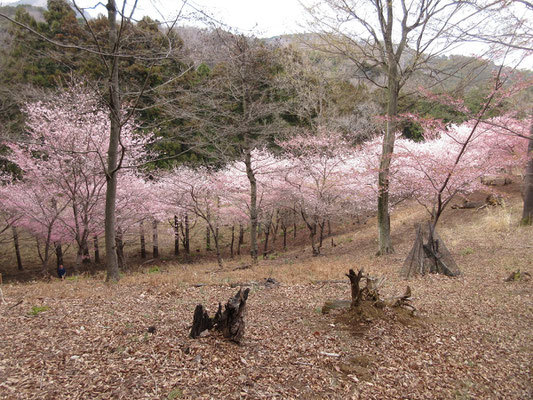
[312,180]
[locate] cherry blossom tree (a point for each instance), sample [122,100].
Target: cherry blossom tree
[454,160]
[65,153]
[38,207]
[328,178]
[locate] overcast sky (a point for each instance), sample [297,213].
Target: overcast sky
[264,18]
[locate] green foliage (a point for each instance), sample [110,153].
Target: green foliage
[154,270]
[36,310]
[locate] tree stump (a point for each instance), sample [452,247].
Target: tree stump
[354,283]
[429,255]
[368,297]
[230,321]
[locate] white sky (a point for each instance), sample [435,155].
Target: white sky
[262,17]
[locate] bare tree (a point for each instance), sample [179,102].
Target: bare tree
[389,42]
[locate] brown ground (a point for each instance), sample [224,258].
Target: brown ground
[472,339]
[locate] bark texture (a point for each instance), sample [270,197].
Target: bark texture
[527,213]
[230,321]
[428,255]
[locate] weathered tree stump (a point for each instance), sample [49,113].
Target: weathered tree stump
[429,255]
[354,283]
[230,321]
[200,322]
[368,295]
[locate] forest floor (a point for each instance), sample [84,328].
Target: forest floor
[471,338]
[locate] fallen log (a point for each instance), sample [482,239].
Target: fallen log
[229,322]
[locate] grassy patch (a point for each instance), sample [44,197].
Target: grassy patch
[36,310]
[176,393]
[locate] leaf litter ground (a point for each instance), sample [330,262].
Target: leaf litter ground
[472,338]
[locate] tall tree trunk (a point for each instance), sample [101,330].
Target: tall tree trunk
[120,249]
[96,250]
[207,239]
[143,240]
[79,259]
[155,240]
[284,229]
[294,223]
[253,205]
[527,213]
[17,247]
[176,236]
[187,237]
[112,152]
[241,239]
[265,247]
[321,236]
[86,259]
[232,240]
[59,254]
[217,248]
[384,240]
[268,229]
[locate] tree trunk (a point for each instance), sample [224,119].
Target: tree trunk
[253,206]
[275,226]
[86,258]
[59,254]
[143,240]
[321,236]
[79,259]
[527,213]
[384,240]
[96,250]
[265,247]
[176,236]
[232,240]
[155,240]
[268,228]
[217,245]
[241,239]
[120,249]
[284,229]
[112,152]
[17,248]
[354,284]
[207,238]
[187,240]
[294,224]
